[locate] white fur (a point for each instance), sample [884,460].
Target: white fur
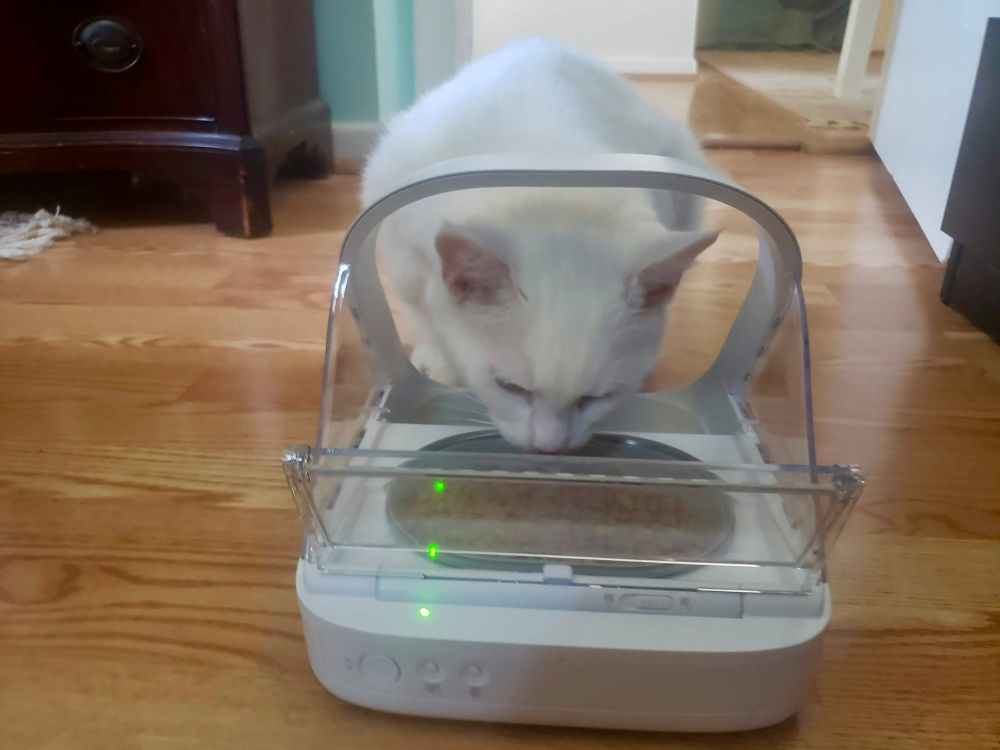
[567,322]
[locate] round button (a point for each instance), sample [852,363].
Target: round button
[431,672]
[475,675]
[379,670]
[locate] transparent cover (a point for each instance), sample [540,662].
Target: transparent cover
[705,480]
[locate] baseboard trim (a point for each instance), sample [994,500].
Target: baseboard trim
[685,66]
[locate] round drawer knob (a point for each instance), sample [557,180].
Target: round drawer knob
[108,44]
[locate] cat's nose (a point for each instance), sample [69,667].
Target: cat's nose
[550,432]
[550,442]
[548,452]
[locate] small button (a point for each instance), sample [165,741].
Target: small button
[475,675]
[431,672]
[379,670]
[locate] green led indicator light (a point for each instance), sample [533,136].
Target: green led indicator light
[432,550]
[424,612]
[440,486]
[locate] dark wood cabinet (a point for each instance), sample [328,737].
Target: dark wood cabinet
[972,216]
[215,95]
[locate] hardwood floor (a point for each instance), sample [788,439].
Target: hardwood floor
[150,376]
[726,114]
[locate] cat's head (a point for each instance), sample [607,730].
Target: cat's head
[552,327]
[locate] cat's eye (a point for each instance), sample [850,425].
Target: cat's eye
[514,388]
[584,401]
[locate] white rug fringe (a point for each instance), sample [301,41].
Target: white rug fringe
[24,235]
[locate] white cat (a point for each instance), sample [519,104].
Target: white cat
[549,304]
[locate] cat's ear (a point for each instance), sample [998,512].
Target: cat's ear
[656,283]
[470,265]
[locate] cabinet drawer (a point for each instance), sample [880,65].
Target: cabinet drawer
[186,74]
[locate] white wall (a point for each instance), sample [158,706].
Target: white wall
[931,70]
[633,36]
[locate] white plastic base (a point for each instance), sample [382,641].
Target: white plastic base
[611,669]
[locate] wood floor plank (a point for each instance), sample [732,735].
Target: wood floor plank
[150,375]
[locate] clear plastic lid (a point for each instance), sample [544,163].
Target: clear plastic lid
[705,480]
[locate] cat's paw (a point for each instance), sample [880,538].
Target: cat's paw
[431,362]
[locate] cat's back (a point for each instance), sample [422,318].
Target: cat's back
[533,96]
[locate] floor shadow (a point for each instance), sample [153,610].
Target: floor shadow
[109,199]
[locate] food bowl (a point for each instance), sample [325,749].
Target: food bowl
[639,529]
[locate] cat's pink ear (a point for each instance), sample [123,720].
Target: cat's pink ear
[656,283]
[470,269]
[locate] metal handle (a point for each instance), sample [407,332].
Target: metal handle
[110,45]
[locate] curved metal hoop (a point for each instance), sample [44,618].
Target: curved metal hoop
[779,265]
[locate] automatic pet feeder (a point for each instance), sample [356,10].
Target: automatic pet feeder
[444,574]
